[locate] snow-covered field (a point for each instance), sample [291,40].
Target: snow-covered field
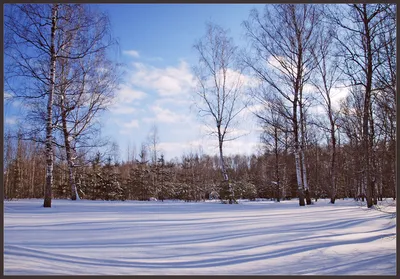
[139,238]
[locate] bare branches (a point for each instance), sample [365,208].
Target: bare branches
[282,59]
[80,79]
[219,84]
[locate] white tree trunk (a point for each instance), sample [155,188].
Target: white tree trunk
[298,175]
[76,193]
[298,170]
[49,124]
[305,181]
[225,174]
[303,161]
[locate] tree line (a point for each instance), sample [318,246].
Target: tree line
[193,177]
[299,57]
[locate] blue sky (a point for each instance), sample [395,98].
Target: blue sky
[155,45]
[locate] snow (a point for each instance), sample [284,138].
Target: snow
[172,237]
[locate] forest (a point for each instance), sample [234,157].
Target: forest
[300,55]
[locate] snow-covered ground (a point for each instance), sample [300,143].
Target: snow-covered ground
[139,238]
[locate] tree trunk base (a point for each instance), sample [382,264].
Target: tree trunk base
[308,199]
[47,202]
[369,202]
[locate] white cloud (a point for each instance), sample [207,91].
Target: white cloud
[308,88]
[317,110]
[275,62]
[282,64]
[210,146]
[132,53]
[167,101]
[127,95]
[234,133]
[132,124]
[7,95]
[254,109]
[120,109]
[234,78]
[127,126]
[162,95]
[164,115]
[11,120]
[156,58]
[170,81]
[177,149]
[124,100]
[338,94]
[241,146]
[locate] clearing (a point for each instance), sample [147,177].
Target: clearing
[173,237]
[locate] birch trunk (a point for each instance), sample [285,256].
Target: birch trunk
[302,147]
[49,125]
[366,112]
[305,183]
[68,149]
[71,164]
[66,67]
[298,175]
[225,174]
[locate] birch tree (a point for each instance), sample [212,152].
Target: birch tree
[281,58]
[326,77]
[219,89]
[86,80]
[360,30]
[81,79]
[31,54]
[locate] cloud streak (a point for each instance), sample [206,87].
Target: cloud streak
[165,115]
[11,120]
[132,53]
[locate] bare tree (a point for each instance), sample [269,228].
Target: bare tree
[87,80]
[360,29]
[219,88]
[143,154]
[385,98]
[31,56]
[325,79]
[82,78]
[281,57]
[153,144]
[274,127]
